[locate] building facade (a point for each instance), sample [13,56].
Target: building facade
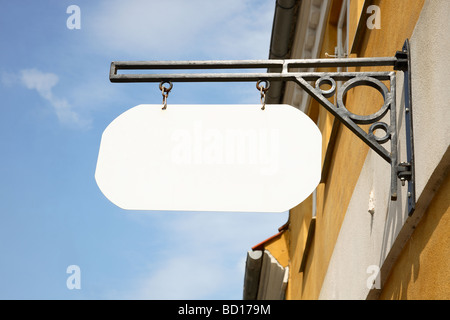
[349,240]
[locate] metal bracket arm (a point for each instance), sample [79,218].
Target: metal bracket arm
[284,69]
[311,82]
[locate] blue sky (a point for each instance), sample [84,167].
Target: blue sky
[56,100]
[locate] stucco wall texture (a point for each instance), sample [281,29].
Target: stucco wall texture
[350,243]
[422,270]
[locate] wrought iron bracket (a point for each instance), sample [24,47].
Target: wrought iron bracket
[312,82]
[409,173]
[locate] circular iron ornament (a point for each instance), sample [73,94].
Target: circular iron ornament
[164,88]
[326,80]
[383,126]
[264,87]
[365,81]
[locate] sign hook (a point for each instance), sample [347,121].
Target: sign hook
[263,89]
[165,92]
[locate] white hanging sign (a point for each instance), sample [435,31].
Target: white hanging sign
[210,158]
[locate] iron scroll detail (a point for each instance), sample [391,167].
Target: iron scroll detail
[352,121]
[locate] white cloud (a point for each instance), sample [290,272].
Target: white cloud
[232,29]
[206,259]
[184,277]
[43,83]
[205,252]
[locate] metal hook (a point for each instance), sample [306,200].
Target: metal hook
[263,90]
[165,92]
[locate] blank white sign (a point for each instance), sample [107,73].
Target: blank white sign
[210,158]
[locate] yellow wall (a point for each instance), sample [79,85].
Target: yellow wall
[298,227]
[423,268]
[398,19]
[279,248]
